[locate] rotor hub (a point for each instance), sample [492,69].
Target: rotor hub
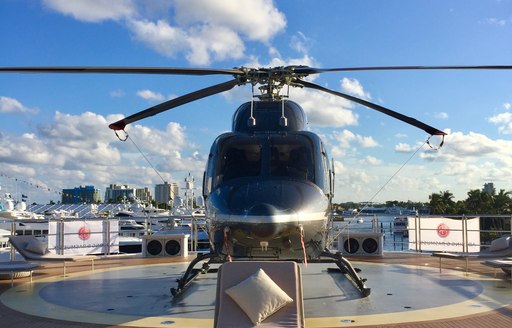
[271,80]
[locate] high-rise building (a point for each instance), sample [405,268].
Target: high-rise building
[143,195]
[489,188]
[80,195]
[119,193]
[166,193]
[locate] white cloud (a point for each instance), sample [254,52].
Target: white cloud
[371,160]
[367,142]
[11,105]
[73,150]
[213,43]
[93,10]
[150,95]
[472,147]
[465,162]
[325,110]
[117,93]
[403,148]
[200,44]
[441,115]
[204,31]
[503,121]
[354,87]
[160,36]
[300,43]
[495,21]
[258,20]
[345,141]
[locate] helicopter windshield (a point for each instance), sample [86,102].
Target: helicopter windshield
[282,156]
[292,156]
[239,157]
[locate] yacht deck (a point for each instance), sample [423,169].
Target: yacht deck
[408,290]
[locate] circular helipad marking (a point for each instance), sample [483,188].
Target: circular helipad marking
[136,285]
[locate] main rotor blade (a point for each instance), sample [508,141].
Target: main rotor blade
[311,70]
[121,70]
[427,128]
[218,88]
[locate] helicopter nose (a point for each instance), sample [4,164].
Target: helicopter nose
[262,209]
[264,231]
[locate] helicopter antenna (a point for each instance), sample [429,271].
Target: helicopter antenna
[252,120]
[283,121]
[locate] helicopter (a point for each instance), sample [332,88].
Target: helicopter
[268,184]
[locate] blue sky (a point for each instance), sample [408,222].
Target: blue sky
[53,128]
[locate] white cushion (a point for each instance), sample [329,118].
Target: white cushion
[259,296]
[36,246]
[500,243]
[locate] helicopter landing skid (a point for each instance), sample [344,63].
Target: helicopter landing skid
[191,273]
[346,268]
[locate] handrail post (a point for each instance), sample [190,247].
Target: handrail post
[419,234]
[463,231]
[466,234]
[106,224]
[60,230]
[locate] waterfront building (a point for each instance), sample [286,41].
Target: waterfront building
[118,193]
[489,188]
[144,195]
[81,194]
[166,193]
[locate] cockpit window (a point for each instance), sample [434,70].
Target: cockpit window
[292,156]
[239,157]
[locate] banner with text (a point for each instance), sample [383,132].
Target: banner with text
[74,237]
[444,234]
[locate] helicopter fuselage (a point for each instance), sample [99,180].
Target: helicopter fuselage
[267,186]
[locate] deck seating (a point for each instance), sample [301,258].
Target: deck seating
[503,264]
[17,269]
[32,249]
[500,248]
[241,301]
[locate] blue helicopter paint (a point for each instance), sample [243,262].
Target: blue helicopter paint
[267,185]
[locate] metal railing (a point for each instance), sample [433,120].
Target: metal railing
[396,238]
[411,237]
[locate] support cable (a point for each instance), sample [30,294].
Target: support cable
[147,160]
[384,185]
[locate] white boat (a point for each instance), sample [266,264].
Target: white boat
[130,228]
[15,217]
[10,209]
[397,210]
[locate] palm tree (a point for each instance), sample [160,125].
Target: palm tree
[447,199]
[479,201]
[437,204]
[502,202]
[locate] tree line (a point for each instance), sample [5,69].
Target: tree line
[477,202]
